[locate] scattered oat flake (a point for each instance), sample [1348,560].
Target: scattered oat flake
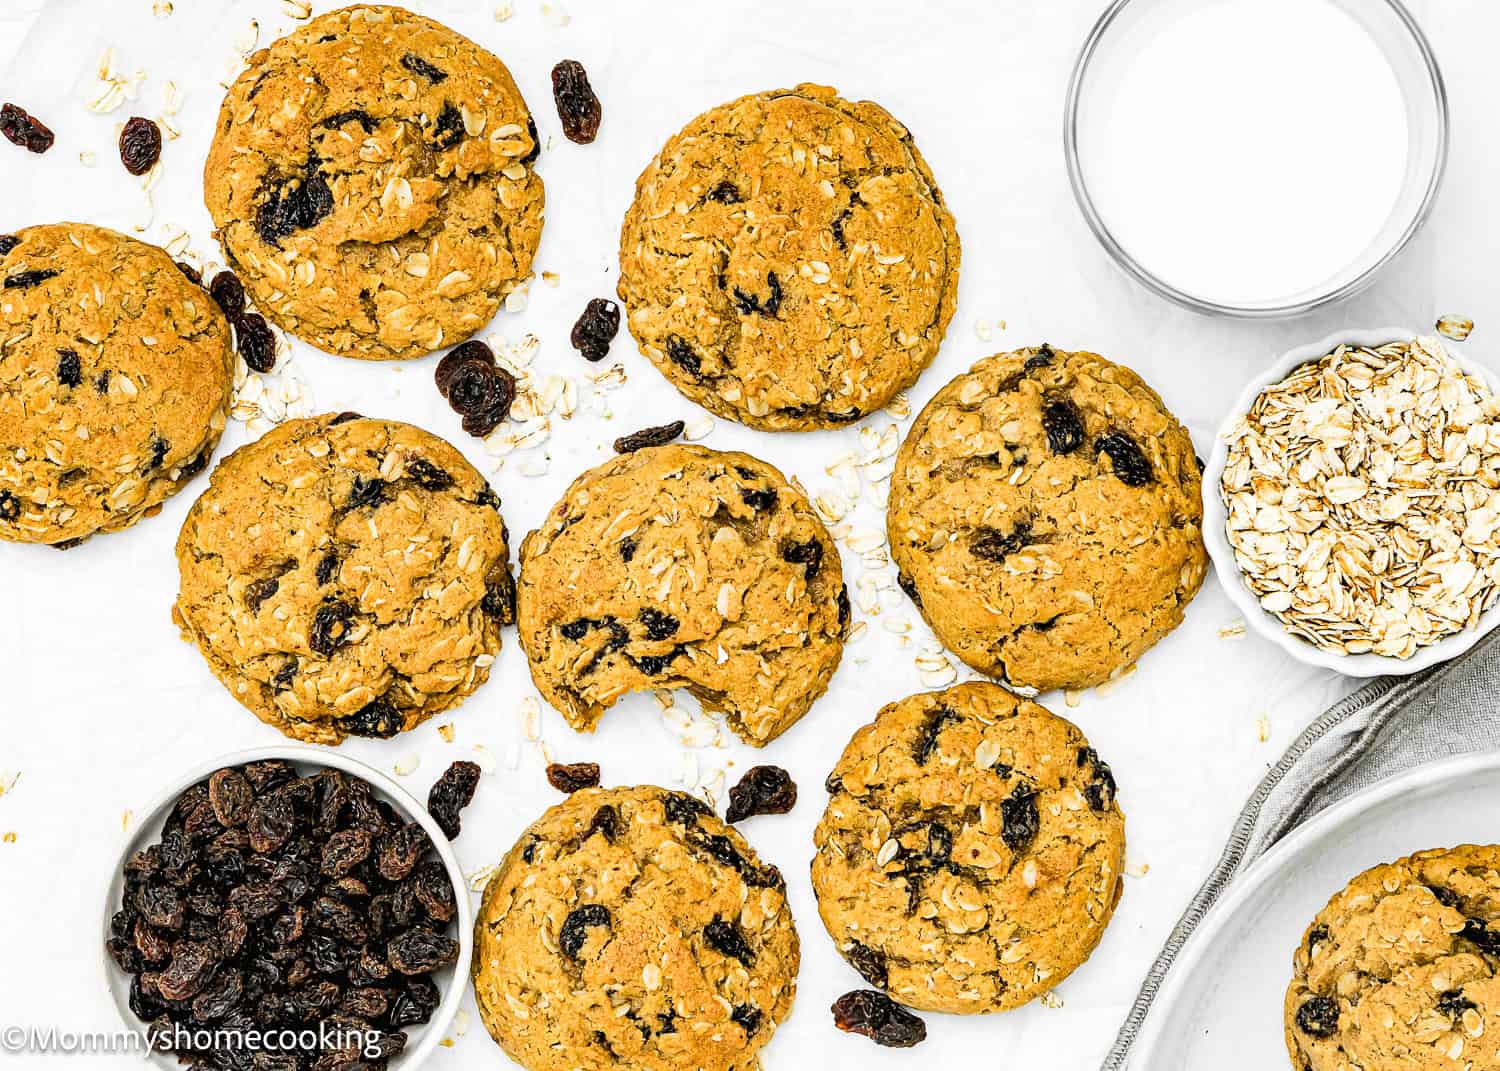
[1137,870]
[126,818]
[407,765]
[503,12]
[1455,327]
[446,732]
[9,838]
[1263,728]
[478,879]
[1050,999]
[161,8]
[485,758]
[1235,630]
[297,9]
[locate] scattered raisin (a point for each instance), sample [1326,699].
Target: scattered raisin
[378,719]
[367,493]
[927,741]
[449,129]
[258,591]
[69,368]
[869,962]
[573,777]
[450,794]
[596,329]
[879,1018]
[726,193]
[255,342]
[428,476]
[421,951]
[140,145]
[1318,1017]
[25,280]
[747,1016]
[1020,821]
[417,65]
[1063,425]
[1040,359]
[809,555]
[24,130]
[1100,791]
[763,790]
[10,241]
[291,203]
[993,545]
[758,499]
[657,436]
[751,304]
[1453,1004]
[727,938]
[330,629]
[606,820]
[577,106]
[680,353]
[499,599]
[230,794]
[229,293]
[575,927]
[1130,464]
[659,626]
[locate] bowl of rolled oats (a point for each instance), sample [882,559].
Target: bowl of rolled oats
[1352,503]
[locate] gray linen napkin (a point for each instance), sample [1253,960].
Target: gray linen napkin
[1390,725]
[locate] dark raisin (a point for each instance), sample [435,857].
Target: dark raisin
[747,1016]
[1130,464]
[367,493]
[1446,897]
[25,280]
[573,777]
[417,65]
[330,627]
[879,1018]
[575,630]
[606,820]
[1317,935]
[751,304]
[577,106]
[140,145]
[449,129]
[763,790]
[344,851]
[655,665]
[1063,425]
[683,356]
[230,795]
[456,358]
[258,591]
[291,203]
[378,719]
[10,241]
[1481,936]
[159,449]
[420,951]
[482,395]
[684,810]
[1020,821]
[927,740]
[809,555]
[726,193]
[726,937]
[1453,1004]
[575,927]
[191,967]
[993,545]
[416,1005]
[327,568]
[1100,791]
[536,142]
[870,963]
[434,892]
[427,475]
[24,130]
[1040,359]
[450,794]
[1318,1017]
[499,599]
[843,605]
[758,499]
[628,546]
[596,329]
[255,341]
[353,115]
[659,626]
[398,852]
[227,290]
[657,436]
[69,368]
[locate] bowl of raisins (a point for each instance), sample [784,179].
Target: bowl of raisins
[287,908]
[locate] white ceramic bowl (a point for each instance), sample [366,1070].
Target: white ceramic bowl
[1215,519]
[422,1039]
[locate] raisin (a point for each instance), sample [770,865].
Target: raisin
[1446,897]
[25,280]
[159,449]
[1100,791]
[192,965]
[449,128]
[726,193]
[434,892]
[1063,425]
[659,626]
[69,368]
[140,145]
[763,790]
[1130,464]
[1020,821]
[870,963]
[682,355]
[378,719]
[417,65]
[416,1004]
[1040,359]
[10,241]
[577,106]
[727,938]
[482,395]
[367,493]
[255,342]
[421,951]
[758,499]
[655,665]
[24,130]
[292,203]
[606,820]
[258,591]
[1480,935]
[596,329]
[344,851]
[1453,1004]
[628,547]
[844,611]
[575,927]
[450,794]
[993,545]
[499,599]
[751,304]
[455,360]
[428,476]
[330,628]
[1318,1017]
[656,436]
[879,1018]
[1317,935]
[353,115]
[229,293]
[230,795]
[573,777]
[684,810]
[747,1016]
[398,852]
[809,555]
[927,741]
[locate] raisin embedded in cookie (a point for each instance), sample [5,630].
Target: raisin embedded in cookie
[345,577]
[115,377]
[971,853]
[683,567]
[788,261]
[1402,969]
[1045,516]
[632,928]
[372,181]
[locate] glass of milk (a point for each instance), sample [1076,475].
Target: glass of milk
[1256,157]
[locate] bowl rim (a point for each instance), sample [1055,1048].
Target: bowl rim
[1216,517]
[436,1027]
[1192,302]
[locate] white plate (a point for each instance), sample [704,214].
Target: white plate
[1221,1004]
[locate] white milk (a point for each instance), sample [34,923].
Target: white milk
[1249,150]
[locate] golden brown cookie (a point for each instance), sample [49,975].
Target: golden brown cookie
[115,376]
[631,928]
[372,181]
[683,567]
[1402,969]
[788,261]
[1045,517]
[345,576]
[971,853]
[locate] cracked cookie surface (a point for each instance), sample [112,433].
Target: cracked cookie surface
[115,377]
[683,567]
[1045,516]
[345,576]
[971,853]
[372,182]
[1402,969]
[631,927]
[788,261]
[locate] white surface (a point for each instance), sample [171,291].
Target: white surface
[421,1039]
[1215,517]
[101,704]
[1229,153]
[1214,1009]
